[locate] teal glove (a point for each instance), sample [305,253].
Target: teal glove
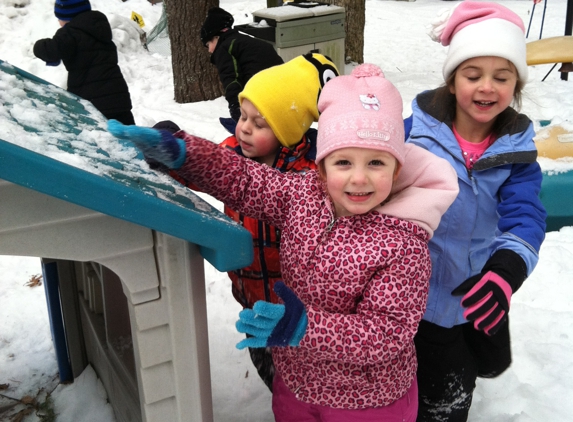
[272,324]
[155,144]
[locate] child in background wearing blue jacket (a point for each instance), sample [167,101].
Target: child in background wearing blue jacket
[488,241]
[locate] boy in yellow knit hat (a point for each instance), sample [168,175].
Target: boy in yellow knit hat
[278,106]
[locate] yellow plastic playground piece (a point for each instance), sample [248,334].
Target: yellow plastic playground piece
[550,50]
[554,142]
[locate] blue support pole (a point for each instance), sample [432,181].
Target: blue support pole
[530,19]
[51,287]
[543,17]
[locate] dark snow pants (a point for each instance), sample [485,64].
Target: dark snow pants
[262,358]
[449,362]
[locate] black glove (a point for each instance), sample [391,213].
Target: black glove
[171,127]
[167,125]
[487,294]
[235,111]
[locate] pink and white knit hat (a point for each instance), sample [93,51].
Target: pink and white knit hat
[362,110]
[476,29]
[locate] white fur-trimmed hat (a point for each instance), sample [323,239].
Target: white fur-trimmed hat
[476,29]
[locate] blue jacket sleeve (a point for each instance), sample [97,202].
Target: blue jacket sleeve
[521,212]
[408,126]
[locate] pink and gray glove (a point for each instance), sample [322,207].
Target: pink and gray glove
[487,295]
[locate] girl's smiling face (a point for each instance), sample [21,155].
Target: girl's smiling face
[483,87]
[359,179]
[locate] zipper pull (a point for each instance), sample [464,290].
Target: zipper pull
[330,225]
[473,182]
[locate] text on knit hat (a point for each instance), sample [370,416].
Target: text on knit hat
[362,110]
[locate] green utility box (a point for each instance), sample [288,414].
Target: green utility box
[297,28]
[557,198]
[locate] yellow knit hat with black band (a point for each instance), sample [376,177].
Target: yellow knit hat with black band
[286,95]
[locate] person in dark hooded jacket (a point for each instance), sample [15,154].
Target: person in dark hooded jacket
[236,56]
[84,43]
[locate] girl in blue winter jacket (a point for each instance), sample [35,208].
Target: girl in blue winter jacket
[488,241]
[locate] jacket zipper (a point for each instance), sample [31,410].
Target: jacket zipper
[322,238]
[329,228]
[473,182]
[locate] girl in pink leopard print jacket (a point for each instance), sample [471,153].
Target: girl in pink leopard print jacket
[354,252]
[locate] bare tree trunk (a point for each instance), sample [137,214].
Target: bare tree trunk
[354,27]
[194,77]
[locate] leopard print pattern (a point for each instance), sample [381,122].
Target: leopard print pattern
[363,280]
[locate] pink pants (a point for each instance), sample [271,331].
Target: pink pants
[287,408]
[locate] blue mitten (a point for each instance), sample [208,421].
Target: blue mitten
[54,63]
[272,324]
[156,145]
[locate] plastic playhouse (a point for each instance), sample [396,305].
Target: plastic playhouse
[122,247]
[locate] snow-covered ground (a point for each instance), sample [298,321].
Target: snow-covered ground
[538,385]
